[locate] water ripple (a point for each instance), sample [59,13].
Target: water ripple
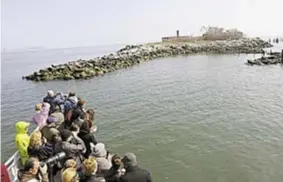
[196,118]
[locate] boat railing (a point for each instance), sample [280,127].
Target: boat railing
[12,166]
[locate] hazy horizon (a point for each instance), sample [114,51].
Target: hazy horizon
[62,24]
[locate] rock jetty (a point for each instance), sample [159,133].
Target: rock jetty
[135,54]
[271,58]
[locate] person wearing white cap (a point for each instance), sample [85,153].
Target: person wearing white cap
[133,172]
[49,97]
[102,157]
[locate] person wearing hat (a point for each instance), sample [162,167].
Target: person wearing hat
[58,116]
[22,140]
[49,97]
[102,156]
[49,131]
[133,172]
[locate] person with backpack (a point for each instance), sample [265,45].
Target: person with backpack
[57,101]
[49,97]
[69,105]
[50,130]
[58,117]
[70,102]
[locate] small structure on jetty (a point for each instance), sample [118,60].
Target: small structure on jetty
[210,33]
[179,38]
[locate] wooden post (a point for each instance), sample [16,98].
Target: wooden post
[177,33]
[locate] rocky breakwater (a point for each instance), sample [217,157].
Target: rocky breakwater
[270,59]
[135,54]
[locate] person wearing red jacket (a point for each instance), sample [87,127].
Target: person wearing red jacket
[4,174]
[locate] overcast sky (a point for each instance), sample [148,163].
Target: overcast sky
[71,23]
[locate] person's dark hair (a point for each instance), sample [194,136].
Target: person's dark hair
[29,164]
[65,134]
[74,127]
[72,94]
[57,108]
[83,116]
[116,161]
[56,138]
[91,114]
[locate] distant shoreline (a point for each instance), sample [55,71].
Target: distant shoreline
[134,54]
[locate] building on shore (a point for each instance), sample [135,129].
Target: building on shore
[210,34]
[179,38]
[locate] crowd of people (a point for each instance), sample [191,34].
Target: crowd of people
[65,147]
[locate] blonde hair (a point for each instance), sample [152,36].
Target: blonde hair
[35,139]
[90,165]
[38,107]
[69,175]
[70,163]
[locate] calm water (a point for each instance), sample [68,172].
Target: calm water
[197,118]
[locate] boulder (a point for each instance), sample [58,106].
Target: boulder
[269,60]
[135,54]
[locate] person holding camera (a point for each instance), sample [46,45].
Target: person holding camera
[116,171]
[33,172]
[72,146]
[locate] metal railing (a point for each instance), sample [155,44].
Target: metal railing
[12,166]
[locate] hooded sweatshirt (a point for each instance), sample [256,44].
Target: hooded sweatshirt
[22,140]
[41,117]
[104,161]
[70,103]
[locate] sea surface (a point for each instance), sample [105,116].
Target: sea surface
[199,118]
